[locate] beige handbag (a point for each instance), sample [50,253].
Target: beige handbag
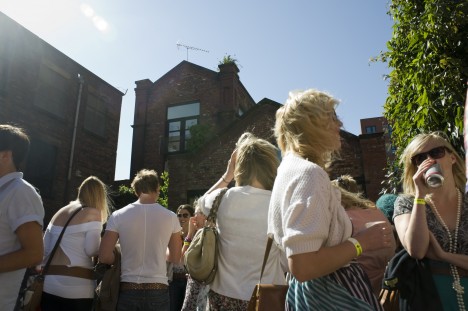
[201,258]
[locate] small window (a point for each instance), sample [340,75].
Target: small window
[95,116]
[52,90]
[371,129]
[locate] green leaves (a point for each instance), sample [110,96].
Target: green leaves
[428,57]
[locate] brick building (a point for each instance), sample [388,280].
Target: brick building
[71,115]
[218,109]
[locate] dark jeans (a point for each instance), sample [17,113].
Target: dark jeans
[51,302]
[143,300]
[177,293]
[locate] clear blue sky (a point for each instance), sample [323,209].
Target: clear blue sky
[280,46]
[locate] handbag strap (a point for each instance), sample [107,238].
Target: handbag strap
[52,253]
[265,257]
[211,219]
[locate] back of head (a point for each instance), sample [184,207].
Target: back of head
[386,204]
[303,125]
[347,182]
[145,181]
[93,193]
[256,159]
[14,139]
[415,146]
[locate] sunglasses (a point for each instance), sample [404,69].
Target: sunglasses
[435,153]
[185,215]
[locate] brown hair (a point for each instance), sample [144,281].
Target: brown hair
[14,139]
[145,181]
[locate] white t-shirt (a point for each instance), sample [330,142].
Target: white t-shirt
[19,203]
[305,209]
[242,225]
[79,243]
[144,233]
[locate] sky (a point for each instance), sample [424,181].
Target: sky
[280,46]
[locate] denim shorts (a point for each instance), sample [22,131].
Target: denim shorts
[143,300]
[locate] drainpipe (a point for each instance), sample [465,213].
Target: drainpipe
[72,153]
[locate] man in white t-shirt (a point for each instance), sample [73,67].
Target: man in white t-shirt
[149,235]
[21,216]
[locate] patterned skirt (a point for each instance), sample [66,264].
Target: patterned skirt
[345,289]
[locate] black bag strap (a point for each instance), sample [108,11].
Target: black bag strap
[211,219]
[52,253]
[265,257]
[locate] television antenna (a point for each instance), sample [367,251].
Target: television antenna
[190,48]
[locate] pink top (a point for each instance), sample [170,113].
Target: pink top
[373,262]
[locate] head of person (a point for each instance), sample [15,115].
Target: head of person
[347,182]
[386,203]
[13,139]
[352,199]
[146,182]
[436,146]
[93,193]
[184,212]
[199,215]
[257,159]
[307,124]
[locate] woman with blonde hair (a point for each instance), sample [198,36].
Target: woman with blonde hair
[242,225]
[306,218]
[69,283]
[432,222]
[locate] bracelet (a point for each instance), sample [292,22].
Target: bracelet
[419,201]
[186,243]
[187,239]
[227,182]
[357,245]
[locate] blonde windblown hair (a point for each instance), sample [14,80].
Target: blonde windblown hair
[303,125]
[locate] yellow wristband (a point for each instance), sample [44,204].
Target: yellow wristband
[419,201]
[357,245]
[186,243]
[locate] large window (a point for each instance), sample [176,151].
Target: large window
[179,121]
[95,116]
[52,91]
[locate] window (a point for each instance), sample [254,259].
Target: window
[95,116]
[179,121]
[371,129]
[52,91]
[40,166]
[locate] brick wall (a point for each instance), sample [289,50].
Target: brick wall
[24,55]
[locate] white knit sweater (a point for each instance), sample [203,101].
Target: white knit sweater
[305,211]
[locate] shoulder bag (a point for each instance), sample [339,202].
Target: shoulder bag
[201,258]
[268,297]
[29,298]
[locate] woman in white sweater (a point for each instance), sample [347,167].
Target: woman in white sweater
[306,217]
[242,225]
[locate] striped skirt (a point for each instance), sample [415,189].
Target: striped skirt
[345,289]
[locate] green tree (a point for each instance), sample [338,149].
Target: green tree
[428,58]
[163,192]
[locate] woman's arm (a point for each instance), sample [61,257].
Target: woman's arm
[436,252]
[326,260]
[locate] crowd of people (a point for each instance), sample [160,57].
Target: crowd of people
[331,245]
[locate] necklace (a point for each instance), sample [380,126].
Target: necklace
[456,285]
